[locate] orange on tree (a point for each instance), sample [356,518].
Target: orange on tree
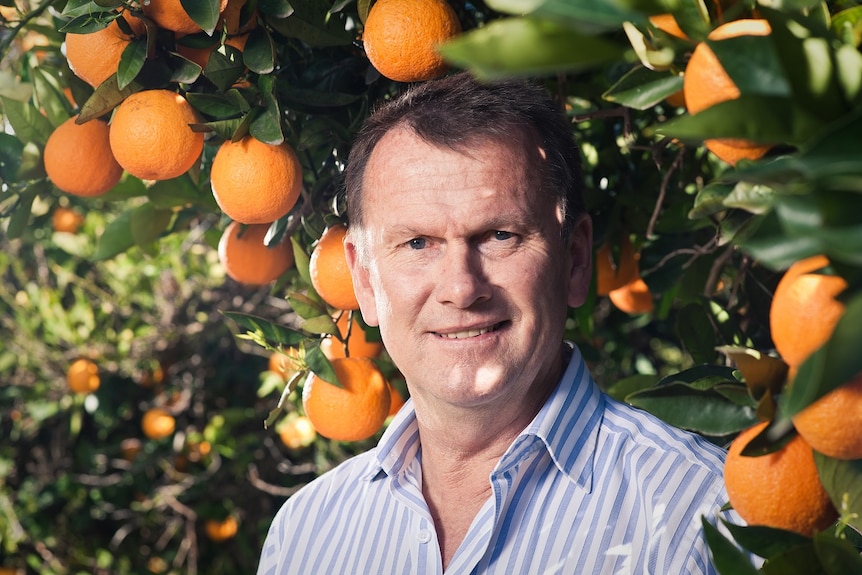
[614,273]
[832,425]
[357,344]
[297,432]
[83,376]
[804,310]
[667,23]
[633,298]
[235,29]
[354,411]
[781,489]
[170,15]
[328,269]
[78,158]
[706,83]
[158,423]
[95,57]
[401,37]
[254,182]
[66,220]
[151,136]
[247,259]
[221,530]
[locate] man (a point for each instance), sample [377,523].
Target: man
[467,242]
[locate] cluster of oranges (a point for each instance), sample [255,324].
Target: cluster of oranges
[782,489]
[618,277]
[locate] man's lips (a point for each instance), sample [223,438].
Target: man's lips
[468,332]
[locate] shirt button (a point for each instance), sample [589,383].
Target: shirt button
[423,536]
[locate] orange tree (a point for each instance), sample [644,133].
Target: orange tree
[704,207]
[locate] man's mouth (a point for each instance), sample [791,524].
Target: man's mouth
[464,334]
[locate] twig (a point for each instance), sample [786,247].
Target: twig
[260,484]
[663,192]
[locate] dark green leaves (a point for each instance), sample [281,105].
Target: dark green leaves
[205,13]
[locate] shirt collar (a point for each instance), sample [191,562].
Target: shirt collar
[567,425]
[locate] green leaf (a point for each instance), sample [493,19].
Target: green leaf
[29,125]
[306,307]
[48,92]
[321,324]
[266,126]
[628,385]
[131,62]
[842,480]
[224,67]
[11,150]
[301,261]
[641,88]
[527,47]
[275,8]
[320,365]
[837,556]
[259,53]
[694,329]
[847,24]
[177,192]
[312,23]
[764,541]
[117,237]
[105,98]
[595,14]
[753,65]
[21,217]
[205,13]
[727,557]
[148,222]
[799,560]
[275,335]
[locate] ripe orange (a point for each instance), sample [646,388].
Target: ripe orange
[330,275]
[804,310]
[170,15]
[706,83]
[832,425]
[83,376]
[633,298]
[611,275]
[151,137]
[297,432]
[78,158]
[285,363]
[247,260]
[357,345]
[401,37]
[158,423]
[254,182]
[95,57]
[781,489]
[66,220]
[230,23]
[667,23]
[354,412]
[223,530]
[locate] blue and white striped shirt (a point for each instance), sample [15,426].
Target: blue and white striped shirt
[591,486]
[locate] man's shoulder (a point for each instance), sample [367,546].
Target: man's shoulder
[343,478]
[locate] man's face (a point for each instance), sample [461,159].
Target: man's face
[460,262]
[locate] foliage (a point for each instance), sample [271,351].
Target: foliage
[140,288]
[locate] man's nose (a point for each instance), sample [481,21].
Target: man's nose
[462,279]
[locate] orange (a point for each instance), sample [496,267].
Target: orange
[611,274]
[170,15]
[396,400]
[781,489]
[353,412]
[357,345]
[247,260]
[633,298]
[95,57]
[297,432]
[78,158]
[667,23]
[706,83]
[254,182]
[158,423]
[66,220]
[83,376]
[221,530]
[151,136]
[232,25]
[804,310]
[401,37]
[832,425]
[330,275]
[285,363]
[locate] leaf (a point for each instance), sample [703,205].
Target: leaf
[527,47]
[224,67]
[842,480]
[628,385]
[266,126]
[131,62]
[21,217]
[205,13]
[276,8]
[273,334]
[311,22]
[595,14]
[105,98]
[301,260]
[29,125]
[178,192]
[320,365]
[321,324]
[837,556]
[259,53]
[148,222]
[288,388]
[760,372]
[799,560]
[764,541]
[641,88]
[727,557]
[306,307]
[11,150]
[117,237]
[695,332]
[753,64]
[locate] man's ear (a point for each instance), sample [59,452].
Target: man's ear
[361,281]
[580,251]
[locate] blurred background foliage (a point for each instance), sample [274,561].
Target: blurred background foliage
[138,288]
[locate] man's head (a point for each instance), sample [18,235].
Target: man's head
[457,112]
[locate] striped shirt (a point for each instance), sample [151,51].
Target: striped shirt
[591,486]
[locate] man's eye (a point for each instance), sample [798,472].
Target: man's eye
[417,243]
[501,235]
